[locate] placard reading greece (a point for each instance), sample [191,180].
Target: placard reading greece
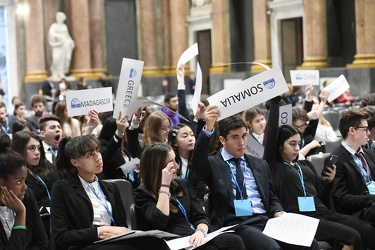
[80,102]
[249,92]
[128,85]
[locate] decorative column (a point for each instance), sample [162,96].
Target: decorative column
[220,37]
[96,37]
[34,36]
[148,37]
[262,41]
[179,34]
[314,35]
[80,32]
[168,68]
[365,34]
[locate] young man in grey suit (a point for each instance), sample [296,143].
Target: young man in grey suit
[245,197]
[354,187]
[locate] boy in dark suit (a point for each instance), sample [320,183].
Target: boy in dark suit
[240,184]
[354,188]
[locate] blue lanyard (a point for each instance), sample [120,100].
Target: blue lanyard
[5,219]
[45,185]
[299,170]
[101,201]
[235,180]
[187,173]
[364,174]
[52,151]
[5,129]
[181,207]
[302,142]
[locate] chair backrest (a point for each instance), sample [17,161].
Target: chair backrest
[318,161]
[331,145]
[333,118]
[127,197]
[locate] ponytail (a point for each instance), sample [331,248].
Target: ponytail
[63,166]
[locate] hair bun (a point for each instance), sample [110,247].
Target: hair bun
[4,142]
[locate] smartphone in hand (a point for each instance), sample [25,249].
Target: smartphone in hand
[328,162]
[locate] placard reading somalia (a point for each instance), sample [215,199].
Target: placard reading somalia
[304,77]
[249,92]
[337,88]
[128,85]
[81,102]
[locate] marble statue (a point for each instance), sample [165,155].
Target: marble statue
[62,46]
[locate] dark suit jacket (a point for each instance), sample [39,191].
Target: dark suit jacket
[152,218]
[350,192]
[72,212]
[34,237]
[216,173]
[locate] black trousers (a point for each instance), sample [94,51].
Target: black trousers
[345,229]
[141,243]
[225,241]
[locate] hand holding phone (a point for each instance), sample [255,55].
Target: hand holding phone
[328,162]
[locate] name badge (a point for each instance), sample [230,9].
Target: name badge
[306,204]
[243,207]
[371,187]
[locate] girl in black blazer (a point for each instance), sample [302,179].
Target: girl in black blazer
[21,226]
[84,209]
[170,204]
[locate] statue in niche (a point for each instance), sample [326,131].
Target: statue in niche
[62,47]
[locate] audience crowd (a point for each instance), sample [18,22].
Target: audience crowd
[191,174]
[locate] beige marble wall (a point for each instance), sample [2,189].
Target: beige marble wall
[35,40]
[148,37]
[365,34]
[178,29]
[80,32]
[97,36]
[220,37]
[315,38]
[262,41]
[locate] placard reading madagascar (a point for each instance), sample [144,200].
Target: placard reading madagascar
[250,92]
[80,102]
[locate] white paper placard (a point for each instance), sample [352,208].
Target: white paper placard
[188,54]
[81,102]
[198,89]
[249,92]
[128,85]
[337,88]
[285,113]
[304,77]
[292,228]
[254,147]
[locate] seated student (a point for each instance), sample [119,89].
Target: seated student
[40,176]
[306,121]
[20,126]
[168,203]
[177,103]
[353,189]
[234,178]
[256,122]
[294,179]
[85,209]
[182,140]
[21,226]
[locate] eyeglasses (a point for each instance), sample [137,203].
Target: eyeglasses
[165,129]
[365,128]
[301,126]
